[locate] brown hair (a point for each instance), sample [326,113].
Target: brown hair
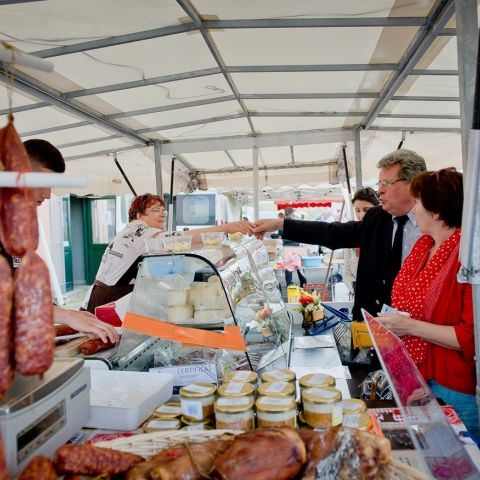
[441,192]
[141,203]
[366,194]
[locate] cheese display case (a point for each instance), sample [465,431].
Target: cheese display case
[193,303]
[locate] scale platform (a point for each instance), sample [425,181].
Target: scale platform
[40,414]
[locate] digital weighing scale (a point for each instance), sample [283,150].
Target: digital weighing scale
[39,415]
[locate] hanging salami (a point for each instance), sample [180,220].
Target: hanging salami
[6,289]
[33,313]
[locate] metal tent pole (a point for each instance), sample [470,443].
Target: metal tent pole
[467,32]
[256,209]
[358,158]
[157,150]
[170,206]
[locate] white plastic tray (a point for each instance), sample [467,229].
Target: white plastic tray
[124,400]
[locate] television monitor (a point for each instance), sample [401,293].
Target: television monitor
[195,209]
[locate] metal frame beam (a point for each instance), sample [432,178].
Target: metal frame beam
[261,140]
[29,85]
[23,108]
[116,40]
[416,129]
[190,10]
[292,155]
[157,150]
[234,163]
[106,152]
[269,167]
[441,14]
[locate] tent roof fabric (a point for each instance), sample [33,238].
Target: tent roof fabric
[202,76]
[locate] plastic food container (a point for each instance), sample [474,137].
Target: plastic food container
[197,400]
[124,400]
[235,237]
[241,376]
[159,266]
[311,261]
[282,375]
[276,412]
[153,245]
[322,407]
[234,413]
[178,243]
[212,239]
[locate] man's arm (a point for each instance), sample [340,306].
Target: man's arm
[331,235]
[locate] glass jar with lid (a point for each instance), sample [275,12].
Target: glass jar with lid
[276,412]
[353,405]
[168,410]
[316,380]
[360,421]
[241,376]
[277,389]
[234,413]
[156,424]
[322,407]
[197,400]
[237,390]
[281,375]
[192,424]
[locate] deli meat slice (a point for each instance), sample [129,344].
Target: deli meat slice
[34,332]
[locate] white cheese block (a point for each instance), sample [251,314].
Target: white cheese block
[180,314]
[209,303]
[176,298]
[209,316]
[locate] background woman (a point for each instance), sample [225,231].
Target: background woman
[118,268]
[438,330]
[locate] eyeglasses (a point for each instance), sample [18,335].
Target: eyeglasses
[387,183]
[159,210]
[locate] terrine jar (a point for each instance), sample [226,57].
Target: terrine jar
[322,407]
[158,424]
[234,413]
[197,400]
[360,421]
[276,412]
[282,375]
[241,376]
[316,380]
[277,389]
[353,405]
[168,411]
[237,390]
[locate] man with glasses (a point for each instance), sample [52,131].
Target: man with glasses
[385,236]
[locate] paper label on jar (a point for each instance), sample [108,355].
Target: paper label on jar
[352,420]
[318,392]
[200,426]
[233,388]
[234,402]
[241,376]
[169,425]
[279,375]
[337,414]
[282,402]
[192,408]
[318,378]
[276,387]
[197,388]
[169,409]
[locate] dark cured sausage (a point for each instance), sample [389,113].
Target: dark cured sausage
[6,297]
[34,332]
[18,212]
[95,345]
[39,468]
[91,460]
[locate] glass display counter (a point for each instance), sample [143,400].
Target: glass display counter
[208,290]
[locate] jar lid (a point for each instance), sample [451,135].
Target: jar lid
[168,410]
[273,404]
[236,389]
[317,380]
[321,395]
[233,405]
[282,375]
[198,390]
[242,376]
[277,389]
[193,421]
[357,420]
[156,424]
[354,405]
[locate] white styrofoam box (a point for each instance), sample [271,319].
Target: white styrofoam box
[124,400]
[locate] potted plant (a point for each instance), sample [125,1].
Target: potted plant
[311,309]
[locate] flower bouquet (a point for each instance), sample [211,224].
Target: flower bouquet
[311,308]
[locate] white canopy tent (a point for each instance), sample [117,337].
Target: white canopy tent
[210,79]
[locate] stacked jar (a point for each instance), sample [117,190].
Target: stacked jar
[165,417]
[197,400]
[234,407]
[355,414]
[322,407]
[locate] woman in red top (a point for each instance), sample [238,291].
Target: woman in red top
[436,323]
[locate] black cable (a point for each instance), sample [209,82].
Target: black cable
[346,169]
[124,175]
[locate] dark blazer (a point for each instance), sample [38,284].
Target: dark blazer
[373,236]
